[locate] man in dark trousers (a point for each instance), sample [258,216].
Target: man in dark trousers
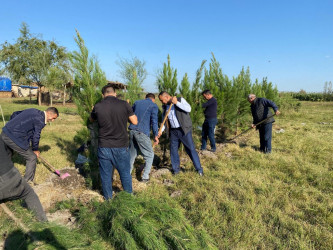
[208,127]
[260,111]
[13,186]
[22,134]
[180,130]
[112,115]
[146,111]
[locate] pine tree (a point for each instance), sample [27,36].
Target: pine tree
[88,79]
[134,73]
[184,88]
[196,99]
[167,79]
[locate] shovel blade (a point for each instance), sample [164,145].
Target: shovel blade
[65,175]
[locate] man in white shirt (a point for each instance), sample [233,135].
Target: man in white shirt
[180,130]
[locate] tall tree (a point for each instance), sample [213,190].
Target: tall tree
[56,78]
[133,71]
[184,88]
[88,79]
[167,79]
[31,57]
[196,99]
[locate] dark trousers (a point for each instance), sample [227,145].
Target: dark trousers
[13,187]
[176,137]
[208,128]
[28,155]
[265,134]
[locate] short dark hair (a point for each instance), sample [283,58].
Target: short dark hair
[163,92]
[107,89]
[52,110]
[150,95]
[206,92]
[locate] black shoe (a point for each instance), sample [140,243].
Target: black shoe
[201,174]
[213,150]
[144,180]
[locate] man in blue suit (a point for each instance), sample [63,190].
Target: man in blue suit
[22,134]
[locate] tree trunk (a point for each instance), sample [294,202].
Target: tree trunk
[30,96]
[64,100]
[39,96]
[51,99]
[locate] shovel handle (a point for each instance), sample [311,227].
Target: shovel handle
[163,122]
[49,165]
[165,117]
[251,127]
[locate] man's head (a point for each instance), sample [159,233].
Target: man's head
[51,114]
[251,98]
[207,94]
[164,97]
[108,90]
[151,96]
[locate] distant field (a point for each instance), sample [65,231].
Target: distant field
[246,200]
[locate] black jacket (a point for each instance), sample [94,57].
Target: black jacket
[260,110]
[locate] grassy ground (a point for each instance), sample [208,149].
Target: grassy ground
[246,199]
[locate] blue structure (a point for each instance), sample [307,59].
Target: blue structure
[5,84]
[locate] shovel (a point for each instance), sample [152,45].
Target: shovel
[57,172]
[245,131]
[164,120]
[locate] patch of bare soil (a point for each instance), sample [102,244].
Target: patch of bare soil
[62,217]
[57,189]
[72,182]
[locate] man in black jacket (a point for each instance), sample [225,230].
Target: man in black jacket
[13,186]
[260,111]
[208,127]
[180,130]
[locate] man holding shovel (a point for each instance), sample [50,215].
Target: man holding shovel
[146,110]
[23,129]
[261,112]
[180,130]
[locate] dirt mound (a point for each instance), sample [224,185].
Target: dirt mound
[74,181]
[57,189]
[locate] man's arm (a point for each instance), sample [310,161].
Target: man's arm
[15,114]
[183,104]
[154,120]
[133,119]
[36,137]
[208,103]
[270,103]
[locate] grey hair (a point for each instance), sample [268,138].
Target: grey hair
[250,96]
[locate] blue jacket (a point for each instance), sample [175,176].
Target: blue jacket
[25,127]
[147,112]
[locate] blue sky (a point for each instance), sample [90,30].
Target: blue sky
[289,42]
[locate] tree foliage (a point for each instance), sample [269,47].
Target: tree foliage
[167,79]
[89,79]
[133,71]
[30,58]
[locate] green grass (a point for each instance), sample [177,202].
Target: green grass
[251,200]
